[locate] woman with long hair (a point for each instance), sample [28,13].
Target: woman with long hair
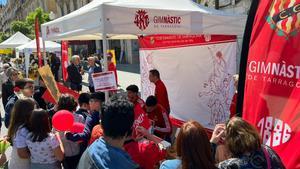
[193,149]
[17,133]
[244,144]
[45,147]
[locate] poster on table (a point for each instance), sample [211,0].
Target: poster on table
[197,71]
[104,81]
[272,87]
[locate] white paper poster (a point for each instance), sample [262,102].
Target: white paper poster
[104,81]
[197,71]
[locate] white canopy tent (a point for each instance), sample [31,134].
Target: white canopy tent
[102,19]
[14,41]
[118,19]
[30,47]
[136,17]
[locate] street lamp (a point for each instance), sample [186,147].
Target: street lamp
[52,15]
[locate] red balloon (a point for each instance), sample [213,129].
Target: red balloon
[63,120]
[77,128]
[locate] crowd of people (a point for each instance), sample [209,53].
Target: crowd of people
[122,133]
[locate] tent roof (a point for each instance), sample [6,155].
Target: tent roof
[120,16]
[31,46]
[14,41]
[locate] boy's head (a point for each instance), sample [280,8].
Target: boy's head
[132,93]
[84,100]
[151,103]
[117,119]
[26,86]
[96,101]
[66,102]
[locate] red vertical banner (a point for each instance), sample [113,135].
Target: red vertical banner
[37,37]
[64,59]
[272,88]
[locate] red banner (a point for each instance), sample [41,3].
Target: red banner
[37,37]
[175,41]
[64,59]
[63,90]
[272,89]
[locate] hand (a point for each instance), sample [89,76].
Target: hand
[4,138]
[218,133]
[69,136]
[142,131]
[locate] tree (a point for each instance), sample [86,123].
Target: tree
[27,26]
[42,16]
[3,36]
[21,26]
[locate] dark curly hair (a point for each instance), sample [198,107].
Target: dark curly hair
[66,102]
[117,119]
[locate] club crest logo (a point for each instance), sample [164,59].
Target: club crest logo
[284,17]
[152,40]
[141,19]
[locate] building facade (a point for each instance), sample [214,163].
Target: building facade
[19,9]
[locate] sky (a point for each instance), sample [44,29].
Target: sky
[3,2]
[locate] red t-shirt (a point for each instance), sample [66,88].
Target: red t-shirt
[145,153]
[162,125]
[97,132]
[140,117]
[161,95]
[112,67]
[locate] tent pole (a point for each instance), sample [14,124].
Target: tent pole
[44,52]
[105,47]
[27,57]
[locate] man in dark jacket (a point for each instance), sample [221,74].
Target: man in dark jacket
[74,76]
[55,63]
[38,94]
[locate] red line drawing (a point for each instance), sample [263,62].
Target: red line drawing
[216,88]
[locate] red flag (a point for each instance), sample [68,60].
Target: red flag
[272,89]
[37,37]
[64,59]
[63,90]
